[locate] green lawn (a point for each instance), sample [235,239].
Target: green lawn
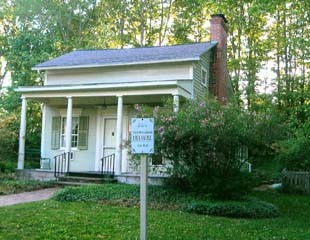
[65,220]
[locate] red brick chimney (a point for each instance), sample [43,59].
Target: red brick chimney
[218,32]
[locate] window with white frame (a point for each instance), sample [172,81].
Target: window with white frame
[79,132]
[74,132]
[204,77]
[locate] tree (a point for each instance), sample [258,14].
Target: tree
[189,21]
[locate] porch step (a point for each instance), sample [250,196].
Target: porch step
[89,175]
[64,183]
[87,180]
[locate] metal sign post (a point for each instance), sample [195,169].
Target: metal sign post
[142,142]
[143,197]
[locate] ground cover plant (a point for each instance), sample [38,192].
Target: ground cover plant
[84,220]
[9,184]
[245,208]
[167,198]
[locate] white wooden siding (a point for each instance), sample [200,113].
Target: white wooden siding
[186,85]
[84,160]
[201,90]
[124,74]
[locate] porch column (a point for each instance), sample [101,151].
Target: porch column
[176,103]
[22,134]
[119,136]
[43,111]
[68,130]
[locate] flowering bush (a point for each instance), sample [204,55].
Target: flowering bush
[203,140]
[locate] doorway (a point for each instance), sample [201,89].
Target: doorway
[109,138]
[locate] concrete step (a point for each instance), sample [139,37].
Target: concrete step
[90,174]
[80,179]
[65,183]
[89,180]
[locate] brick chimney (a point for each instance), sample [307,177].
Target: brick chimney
[218,32]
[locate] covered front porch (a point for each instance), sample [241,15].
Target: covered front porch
[84,129]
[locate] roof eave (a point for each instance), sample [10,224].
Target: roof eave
[116,64]
[53,88]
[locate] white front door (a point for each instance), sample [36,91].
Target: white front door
[109,139]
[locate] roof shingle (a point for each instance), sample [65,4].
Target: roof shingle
[130,56]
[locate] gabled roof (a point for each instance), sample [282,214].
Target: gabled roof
[130,56]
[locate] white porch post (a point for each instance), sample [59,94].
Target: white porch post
[176,103]
[99,140]
[68,130]
[43,111]
[22,135]
[119,136]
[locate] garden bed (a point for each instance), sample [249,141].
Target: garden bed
[10,185]
[167,198]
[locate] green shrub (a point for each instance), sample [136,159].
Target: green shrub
[249,208]
[8,166]
[203,141]
[9,130]
[8,141]
[295,152]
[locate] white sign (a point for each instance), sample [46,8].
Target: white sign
[142,135]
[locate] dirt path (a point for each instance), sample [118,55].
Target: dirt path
[25,197]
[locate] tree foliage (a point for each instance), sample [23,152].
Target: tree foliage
[295,151]
[8,140]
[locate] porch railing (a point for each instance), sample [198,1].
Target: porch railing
[107,164]
[62,164]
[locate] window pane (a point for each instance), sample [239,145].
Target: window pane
[74,132]
[203,77]
[63,125]
[75,125]
[74,141]
[63,141]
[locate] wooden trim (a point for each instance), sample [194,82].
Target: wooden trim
[119,64]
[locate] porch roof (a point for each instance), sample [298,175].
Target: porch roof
[130,89]
[130,56]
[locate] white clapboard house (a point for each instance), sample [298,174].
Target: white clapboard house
[88,99]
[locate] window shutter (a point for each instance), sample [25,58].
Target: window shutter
[56,123]
[83,133]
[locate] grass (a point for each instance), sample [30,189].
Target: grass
[81,220]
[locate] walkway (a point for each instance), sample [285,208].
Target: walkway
[25,197]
